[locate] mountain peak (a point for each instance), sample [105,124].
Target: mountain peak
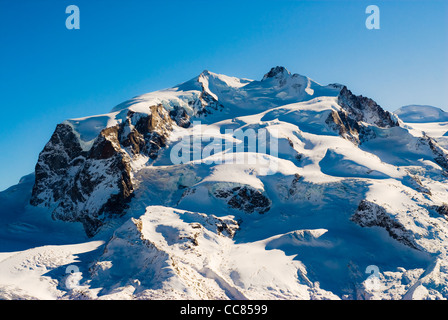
[205,73]
[276,72]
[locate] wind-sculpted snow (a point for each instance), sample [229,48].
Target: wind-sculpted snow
[229,188]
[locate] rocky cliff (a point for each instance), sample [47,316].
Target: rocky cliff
[89,186]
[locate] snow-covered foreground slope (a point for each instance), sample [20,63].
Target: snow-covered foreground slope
[346,188]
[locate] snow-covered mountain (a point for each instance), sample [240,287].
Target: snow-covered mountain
[348,186]
[421,114]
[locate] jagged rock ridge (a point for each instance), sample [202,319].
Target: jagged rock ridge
[92,185]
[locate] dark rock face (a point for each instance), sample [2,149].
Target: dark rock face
[61,152]
[364,109]
[440,154]
[148,133]
[345,126]
[91,186]
[276,72]
[294,184]
[245,198]
[443,210]
[357,110]
[370,214]
[206,104]
[180,116]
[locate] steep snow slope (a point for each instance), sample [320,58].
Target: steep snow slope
[350,186]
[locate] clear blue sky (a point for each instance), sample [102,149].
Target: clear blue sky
[125,48]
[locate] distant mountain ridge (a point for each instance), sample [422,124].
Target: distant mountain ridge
[421,114]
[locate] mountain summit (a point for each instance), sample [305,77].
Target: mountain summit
[230,188]
[277,72]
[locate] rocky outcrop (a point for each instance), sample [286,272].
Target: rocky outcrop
[293,189]
[344,125]
[147,133]
[91,186]
[180,116]
[364,109]
[443,210]
[206,104]
[279,73]
[440,154]
[370,214]
[415,183]
[356,114]
[244,198]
